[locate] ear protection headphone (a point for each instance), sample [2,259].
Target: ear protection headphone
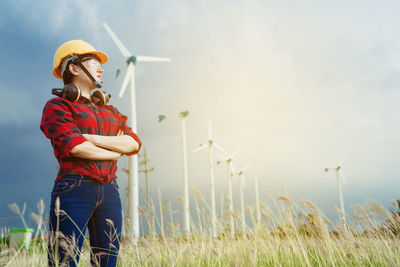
[72,93]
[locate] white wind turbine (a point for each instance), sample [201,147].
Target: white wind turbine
[186,211]
[257,201]
[231,175]
[340,179]
[210,144]
[242,183]
[133,179]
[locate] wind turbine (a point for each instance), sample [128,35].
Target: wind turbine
[182,116]
[210,144]
[257,201]
[242,183]
[133,179]
[231,176]
[340,179]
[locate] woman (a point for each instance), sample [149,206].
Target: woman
[88,136]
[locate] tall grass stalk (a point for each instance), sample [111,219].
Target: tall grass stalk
[161,212]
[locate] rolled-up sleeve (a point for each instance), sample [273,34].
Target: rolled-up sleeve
[122,125]
[59,126]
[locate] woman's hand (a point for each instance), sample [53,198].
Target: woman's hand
[88,150]
[120,143]
[90,137]
[94,138]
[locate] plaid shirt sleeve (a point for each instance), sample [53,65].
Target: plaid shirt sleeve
[60,127]
[122,125]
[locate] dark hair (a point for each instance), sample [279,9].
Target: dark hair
[67,75]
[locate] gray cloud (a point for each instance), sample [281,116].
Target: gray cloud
[293,86]
[54,19]
[18,109]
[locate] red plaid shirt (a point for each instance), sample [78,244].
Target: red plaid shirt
[64,122]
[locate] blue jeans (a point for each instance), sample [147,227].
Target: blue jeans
[84,202]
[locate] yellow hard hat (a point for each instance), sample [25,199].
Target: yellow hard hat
[74,47]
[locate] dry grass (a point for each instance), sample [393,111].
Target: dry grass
[290,235]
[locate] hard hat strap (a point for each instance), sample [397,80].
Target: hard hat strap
[78,61]
[95,82]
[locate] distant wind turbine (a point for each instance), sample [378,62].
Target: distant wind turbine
[257,201]
[210,144]
[242,183]
[182,116]
[340,179]
[133,180]
[231,175]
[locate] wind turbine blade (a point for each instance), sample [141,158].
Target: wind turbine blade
[221,149]
[234,153]
[152,59]
[220,155]
[245,167]
[330,165]
[202,146]
[121,47]
[129,73]
[243,181]
[341,162]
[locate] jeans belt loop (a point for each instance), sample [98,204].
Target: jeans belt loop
[80,180]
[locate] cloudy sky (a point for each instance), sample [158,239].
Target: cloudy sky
[294,85]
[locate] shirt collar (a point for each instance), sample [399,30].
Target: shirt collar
[83,99]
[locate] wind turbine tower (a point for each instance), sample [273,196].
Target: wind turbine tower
[340,179]
[242,186]
[182,116]
[186,212]
[210,144]
[231,175]
[257,201]
[133,179]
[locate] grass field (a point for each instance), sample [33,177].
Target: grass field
[292,235]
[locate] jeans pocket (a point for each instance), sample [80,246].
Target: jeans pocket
[115,184]
[64,186]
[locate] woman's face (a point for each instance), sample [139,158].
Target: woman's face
[93,66]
